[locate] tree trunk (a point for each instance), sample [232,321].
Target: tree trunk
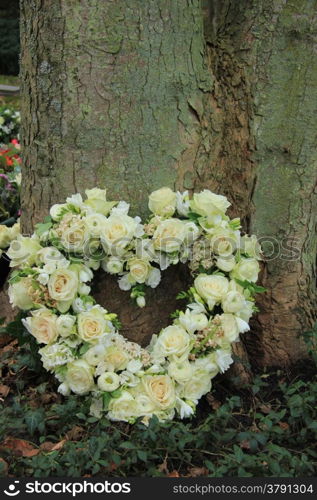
[213,94]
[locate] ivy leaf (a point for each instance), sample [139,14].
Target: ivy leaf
[34,420]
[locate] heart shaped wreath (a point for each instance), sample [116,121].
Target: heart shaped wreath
[82,345]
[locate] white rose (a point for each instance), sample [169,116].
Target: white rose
[113,265]
[247,310]
[115,358]
[223,359]
[208,203]
[246,269]
[160,389]
[79,377]
[118,232]
[23,250]
[91,324]
[226,264]
[233,302]
[197,386]
[212,288]
[19,294]
[95,224]
[181,371]
[63,389]
[96,199]
[5,236]
[65,325]
[134,365]
[108,381]
[173,340]
[75,237]
[63,285]
[162,202]
[15,230]
[192,321]
[224,241]
[42,325]
[169,235]
[139,269]
[123,408]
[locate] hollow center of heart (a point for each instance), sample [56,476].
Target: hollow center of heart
[138,325]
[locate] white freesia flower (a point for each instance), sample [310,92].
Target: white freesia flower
[196,387]
[64,389]
[223,359]
[57,211]
[226,263]
[125,282]
[121,209]
[182,203]
[184,409]
[153,278]
[181,371]
[250,246]
[233,302]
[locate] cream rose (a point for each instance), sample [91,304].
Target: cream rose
[197,386]
[23,250]
[118,232]
[160,389]
[75,237]
[208,203]
[58,210]
[246,269]
[162,202]
[169,235]
[212,288]
[139,269]
[19,294]
[63,285]
[173,340]
[108,381]
[116,358]
[113,265]
[42,325]
[192,321]
[91,324]
[251,246]
[79,377]
[123,408]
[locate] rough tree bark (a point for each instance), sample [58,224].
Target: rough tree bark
[192,94]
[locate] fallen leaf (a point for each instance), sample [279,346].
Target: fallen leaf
[197,471]
[265,408]
[283,425]
[47,446]
[174,473]
[20,447]
[163,466]
[59,446]
[76,433]
[213,402]
[4,390]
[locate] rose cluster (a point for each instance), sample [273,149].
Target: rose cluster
[79,339]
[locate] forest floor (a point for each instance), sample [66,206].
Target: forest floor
[266,429]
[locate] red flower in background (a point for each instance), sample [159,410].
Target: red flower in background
[9,156]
